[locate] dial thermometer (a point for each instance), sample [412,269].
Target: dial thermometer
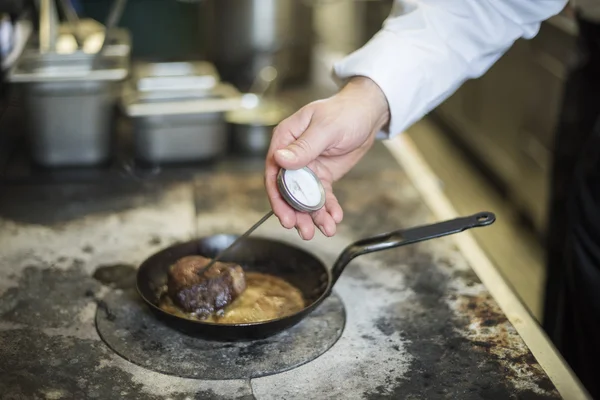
[300,188]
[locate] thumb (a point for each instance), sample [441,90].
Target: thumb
[307,148]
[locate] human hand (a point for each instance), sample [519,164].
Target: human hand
[329,136]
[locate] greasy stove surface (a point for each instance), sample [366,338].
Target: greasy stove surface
[127,326]
[419,324]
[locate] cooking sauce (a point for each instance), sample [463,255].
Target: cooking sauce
[266,297]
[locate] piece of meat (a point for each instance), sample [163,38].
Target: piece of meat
[206,293]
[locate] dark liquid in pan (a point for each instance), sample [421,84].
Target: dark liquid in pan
[266,297]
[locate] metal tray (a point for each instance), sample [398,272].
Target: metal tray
[173,76]
[180,138]
[70,123]
[70,105]
[179,126]
[35,67]
[222,98]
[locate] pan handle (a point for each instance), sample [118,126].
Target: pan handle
[408,236]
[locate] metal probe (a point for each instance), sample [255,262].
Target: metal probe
[286,183]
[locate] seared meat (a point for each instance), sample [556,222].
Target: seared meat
[208,292]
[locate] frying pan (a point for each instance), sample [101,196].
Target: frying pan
[296,266]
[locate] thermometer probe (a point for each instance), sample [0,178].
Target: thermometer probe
[300,188]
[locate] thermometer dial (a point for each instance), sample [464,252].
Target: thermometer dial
[301,189]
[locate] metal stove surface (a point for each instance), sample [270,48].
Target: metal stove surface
[419,324]
[127,326]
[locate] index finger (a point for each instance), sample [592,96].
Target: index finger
[285,213]
[283,135]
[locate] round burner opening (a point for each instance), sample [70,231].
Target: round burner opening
[131,330]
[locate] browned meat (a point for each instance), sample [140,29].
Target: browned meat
[209,292]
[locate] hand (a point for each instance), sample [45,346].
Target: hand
[329,136]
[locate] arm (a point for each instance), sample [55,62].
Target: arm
[428,48]
[425,51]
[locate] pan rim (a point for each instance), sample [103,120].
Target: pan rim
[315,303]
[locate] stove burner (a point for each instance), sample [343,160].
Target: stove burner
[128,327]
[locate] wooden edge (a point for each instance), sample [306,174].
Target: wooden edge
[427,184]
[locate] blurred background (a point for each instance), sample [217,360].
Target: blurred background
[136,86]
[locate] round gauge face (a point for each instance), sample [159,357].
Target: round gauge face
[302,189]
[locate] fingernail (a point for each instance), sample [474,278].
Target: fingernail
[287,154]
[299,233]
[322,229]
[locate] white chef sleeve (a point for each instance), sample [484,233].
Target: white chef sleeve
[427,48]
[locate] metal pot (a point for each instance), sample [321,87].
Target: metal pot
[246,35]
[252,124]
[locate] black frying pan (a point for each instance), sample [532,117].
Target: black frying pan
[296,266]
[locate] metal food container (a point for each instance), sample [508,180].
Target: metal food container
[69,104]
[245,36]
[172,124]
[179,138]
[252,124]
[175,76]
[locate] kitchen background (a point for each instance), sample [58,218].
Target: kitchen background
[490,143]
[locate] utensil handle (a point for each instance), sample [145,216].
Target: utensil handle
[408,236]
[48,26]
[114,16]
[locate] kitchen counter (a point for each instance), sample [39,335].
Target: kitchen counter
[419,322]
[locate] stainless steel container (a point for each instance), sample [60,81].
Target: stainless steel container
[175,76]
[252,124]
[172,124]
[70,105]
[246,35]
[251,139]
[70,123]
[180,138]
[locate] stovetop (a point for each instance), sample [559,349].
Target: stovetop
[412,322]
[127,326]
